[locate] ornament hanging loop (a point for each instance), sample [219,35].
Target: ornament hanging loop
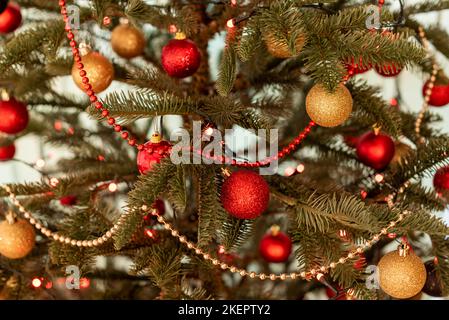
[377,128]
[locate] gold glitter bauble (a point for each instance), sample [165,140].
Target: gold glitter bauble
[401,277]
[17,239]
[329,109]
[402,151]
[281,49]
[99,71]
[127,41]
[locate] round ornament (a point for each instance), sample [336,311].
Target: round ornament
[245,194]
[180,57]
[275,246]
[99,71]
[13,116]
[152,153]
[17,239]
[7,152]
[281,49]
[10,17]
[439,95]
[388,70]
[375,150]
[441,181]
[329,109]
[402,274]
[433,286]
[127,41]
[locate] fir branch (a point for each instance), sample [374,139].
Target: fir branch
[228,72]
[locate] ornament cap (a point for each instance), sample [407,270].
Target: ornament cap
[4,95]
[403,249]
[275,229]
[11,217]
[180,35]
[376,128]
[124,21]
[156,137]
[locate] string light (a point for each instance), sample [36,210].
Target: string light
[54,182]
[230,23]
[112,187]
[48,285]
[84,283]
[379,177]
[289,171]
[300,168]
[150,233]
[40,163]
[36,282]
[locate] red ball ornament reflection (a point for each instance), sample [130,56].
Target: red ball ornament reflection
[245,194]
[375,150]
[275,246]
[13,116]
[7,152]
[180,57]
[441,181]
[439,96]
[10,18]
[355,67]
[388,70]
[152,153]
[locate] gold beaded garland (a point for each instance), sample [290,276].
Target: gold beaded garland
[402,274]
[127,41]
[329,109]
[17,239]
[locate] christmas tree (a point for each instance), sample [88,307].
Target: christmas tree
[223,150]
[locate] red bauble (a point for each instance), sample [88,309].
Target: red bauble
[441,180]
[439,96]
[376,151]
[388,70]
[357,67]
[7,152]
[275,247]
[13,116]
[152,153]
[10,18]
[68,200]
[245,194]
[181,58]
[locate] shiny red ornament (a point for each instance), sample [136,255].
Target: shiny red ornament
[10,18]
[275,246]
[152,153]
[376,151]
[180,58]
[388,70]
[441,180]
[439,96]
[245,194]
[68,200]
[7,152]
[13,116]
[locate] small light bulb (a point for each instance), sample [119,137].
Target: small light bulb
[221,249]
[230,23]
[40,163]
[54,182]
[289,171]
[36,282]
[300,168]
[84,283]
[48,285]
[112,187]
[379,178]
[209,131]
